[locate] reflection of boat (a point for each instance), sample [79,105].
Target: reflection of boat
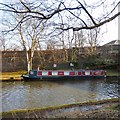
[63,74]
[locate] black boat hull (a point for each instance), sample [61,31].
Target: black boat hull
[58,78]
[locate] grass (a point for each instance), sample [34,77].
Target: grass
[113,73]
[12,75]
[115,107]
[94,102]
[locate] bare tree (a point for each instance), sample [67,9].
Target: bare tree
[64,47]
[2,42]
[51,44]
[80,41]
[45,10]
[30,35]
[56,13]
[92,41]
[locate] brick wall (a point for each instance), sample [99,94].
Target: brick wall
[16,60]
[13,61]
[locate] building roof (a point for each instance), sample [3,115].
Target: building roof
[114,42]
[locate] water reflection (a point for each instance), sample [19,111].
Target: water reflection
[23,95]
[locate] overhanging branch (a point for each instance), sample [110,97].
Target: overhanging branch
[94,26]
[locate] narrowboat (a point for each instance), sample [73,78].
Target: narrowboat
[63,74]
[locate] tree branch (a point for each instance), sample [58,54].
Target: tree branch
[87,12]
[46,16]
[25,6]
[94,26]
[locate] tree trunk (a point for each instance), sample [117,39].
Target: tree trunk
[29,60]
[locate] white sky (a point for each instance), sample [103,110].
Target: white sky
[111,31]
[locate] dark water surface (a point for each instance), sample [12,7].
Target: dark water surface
[34,94]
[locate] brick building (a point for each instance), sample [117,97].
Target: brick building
[110,50]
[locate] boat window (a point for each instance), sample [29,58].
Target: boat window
[31,72]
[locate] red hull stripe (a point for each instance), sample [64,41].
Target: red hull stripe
[70,73]
[90,73]
[79,73]
[49,73]
[97,73]
[61,73]
[39,73]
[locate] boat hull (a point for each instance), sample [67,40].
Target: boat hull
[64,74]
[61,78]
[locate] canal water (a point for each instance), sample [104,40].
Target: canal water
[34,94]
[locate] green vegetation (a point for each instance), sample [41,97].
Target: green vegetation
[112,72]
[94,102]
[116,107]
[12,75]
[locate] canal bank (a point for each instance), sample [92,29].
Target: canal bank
[93,109]
[12,76]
